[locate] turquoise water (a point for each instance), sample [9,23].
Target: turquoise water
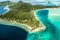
[51,19]
[3,10]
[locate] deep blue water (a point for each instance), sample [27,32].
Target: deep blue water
[52,31]
[12,33]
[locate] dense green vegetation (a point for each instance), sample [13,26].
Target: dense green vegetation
[23,13]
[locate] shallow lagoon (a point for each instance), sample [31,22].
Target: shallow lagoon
[51,19]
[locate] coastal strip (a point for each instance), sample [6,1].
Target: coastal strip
[14,23]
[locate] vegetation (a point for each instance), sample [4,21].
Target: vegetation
[23,13]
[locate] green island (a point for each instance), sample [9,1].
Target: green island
[23,12]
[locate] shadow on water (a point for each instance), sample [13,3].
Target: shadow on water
[12,33]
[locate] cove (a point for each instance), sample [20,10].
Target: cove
[4,9]
[50,17]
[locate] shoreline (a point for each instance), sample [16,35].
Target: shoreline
[14,23]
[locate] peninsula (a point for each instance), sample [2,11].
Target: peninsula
[23,13]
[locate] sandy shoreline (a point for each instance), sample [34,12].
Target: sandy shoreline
[14,23]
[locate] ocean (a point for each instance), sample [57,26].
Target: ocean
[8,32]
[50,17]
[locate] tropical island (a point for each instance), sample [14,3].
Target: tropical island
[22,12]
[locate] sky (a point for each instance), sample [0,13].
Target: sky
[10,0]
[30,0]
[36,1]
